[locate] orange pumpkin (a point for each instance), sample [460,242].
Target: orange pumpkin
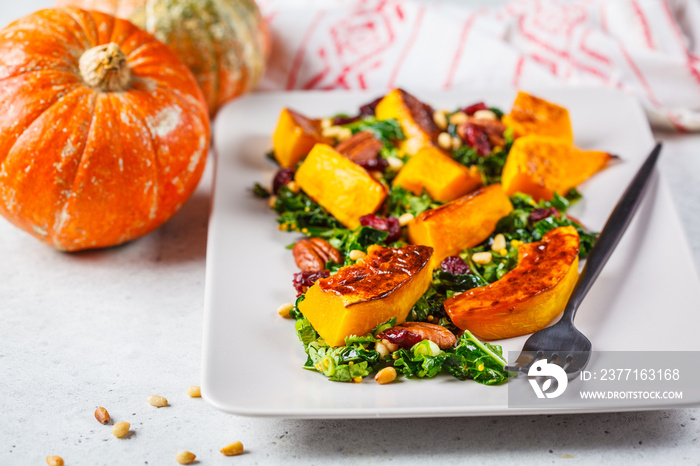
[224,42]
[104,132]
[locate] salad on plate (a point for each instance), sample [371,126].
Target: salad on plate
[426,235]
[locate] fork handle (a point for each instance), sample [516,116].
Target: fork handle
[612,232]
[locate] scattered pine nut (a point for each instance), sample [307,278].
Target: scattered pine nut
[293,186]
[272,201]
[356,254]
[405,218]
[456,143]
[185,457]
[457,118]
[395,163]
[444,140]
[102,415]
[54,460]
[284,309]
[482,258]
[194,391]
[381,349]
[485,115]
[344,134]
[120,429]
[232,449]
[386,375]
[326,123]
[157,401]
[499,242]
[440,119]
[389,345]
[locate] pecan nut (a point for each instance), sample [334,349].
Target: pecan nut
[433,332]
[312,254]
[360,147]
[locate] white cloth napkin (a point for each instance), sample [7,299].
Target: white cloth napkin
[648,48]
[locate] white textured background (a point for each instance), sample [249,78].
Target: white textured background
[109,328]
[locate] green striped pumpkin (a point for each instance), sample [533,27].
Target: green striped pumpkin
[224,42]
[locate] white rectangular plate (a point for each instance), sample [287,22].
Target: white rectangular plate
[645,299]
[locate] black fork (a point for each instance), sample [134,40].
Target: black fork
[562,343]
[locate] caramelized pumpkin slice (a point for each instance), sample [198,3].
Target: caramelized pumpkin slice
[539,166]
[439,174]
[415,118]
[384,285]
[342,187]
[294,137]
[527,298]
[532,115]
[462,223]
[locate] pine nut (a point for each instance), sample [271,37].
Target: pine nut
[293,186]
[381,349]
[102,415]
[54,460]
[331,131]
[120,429]
[356,255]
[485,115]
[232,449]
[326,123]
[499,242]
[456,143]
[395,163]
[344,134]
[457,118]
[386,375]
[440,119]
[482,258]
[389,345]
[194,391]
[157,401]
[444,140]
[272,201]
[405,218]
[185,457]
[284,309]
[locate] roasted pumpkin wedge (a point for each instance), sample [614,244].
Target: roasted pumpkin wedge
[415,118]
[527,298]
[294,137]
[384,285]
[342,187]
[532,115]
[539,166]
[444,178]
[462,223]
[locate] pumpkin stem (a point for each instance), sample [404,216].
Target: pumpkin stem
[105,68]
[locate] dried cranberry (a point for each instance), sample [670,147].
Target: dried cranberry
[282,177]
[389,224]
[379,164]
[303,280]
[540,214]
[477,138]
[369,108]
[401,336]
[345,120]
[365,111]
[472,109]
[454,265]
